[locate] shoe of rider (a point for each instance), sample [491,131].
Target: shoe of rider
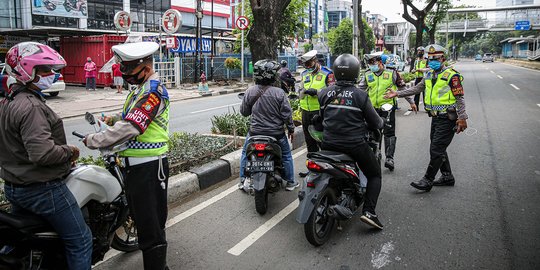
[35,155]
[372,220]
[270,112]
[292,185]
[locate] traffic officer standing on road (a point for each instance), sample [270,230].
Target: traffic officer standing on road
[314,78]
[376,81]
[144,127]
[444,101]
[420,67]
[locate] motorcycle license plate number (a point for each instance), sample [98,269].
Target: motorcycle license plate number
[260,166]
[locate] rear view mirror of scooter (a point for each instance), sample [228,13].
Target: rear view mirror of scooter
[90,118]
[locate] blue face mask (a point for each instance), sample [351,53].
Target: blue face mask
[435,64]
[374,68]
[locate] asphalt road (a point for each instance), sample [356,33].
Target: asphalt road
[192,116]
[489,220]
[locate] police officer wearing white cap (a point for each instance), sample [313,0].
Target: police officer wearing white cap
[445,104]
[144,127]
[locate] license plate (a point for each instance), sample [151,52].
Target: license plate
[260,166]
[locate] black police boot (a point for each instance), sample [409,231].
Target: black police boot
[155,258]
[446,178]
[390,148]
[426,183]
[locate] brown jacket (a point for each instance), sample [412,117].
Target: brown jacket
[32,141]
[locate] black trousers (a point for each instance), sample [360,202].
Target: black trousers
[312,144]
[366,160]
[148,202]
[417,96]
[389,131]
[442,133]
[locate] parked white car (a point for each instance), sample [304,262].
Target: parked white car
[57,86]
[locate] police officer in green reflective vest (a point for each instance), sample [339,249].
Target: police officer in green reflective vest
[420,66]
[445,104]
[144,128]
[376,82]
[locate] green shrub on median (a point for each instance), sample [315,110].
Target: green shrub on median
[407,76]
[230,124]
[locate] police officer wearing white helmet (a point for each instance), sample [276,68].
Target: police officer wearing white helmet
[445,103]
[144,126]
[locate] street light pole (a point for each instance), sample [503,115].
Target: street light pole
[212,44]
[242,52]
[197,41]
[355,28]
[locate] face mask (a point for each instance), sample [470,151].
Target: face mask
[420,54]
[134,78]
[435,64]
[45,82]
[374,68]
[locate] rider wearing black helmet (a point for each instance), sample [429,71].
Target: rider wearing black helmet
[347,114]
[270,111]
[286,77]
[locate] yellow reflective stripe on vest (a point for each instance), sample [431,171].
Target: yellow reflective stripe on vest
[317,82]
[377,86]
[439,97]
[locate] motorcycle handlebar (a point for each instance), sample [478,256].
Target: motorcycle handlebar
[77,134]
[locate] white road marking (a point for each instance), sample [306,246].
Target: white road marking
[259,232]
[492,71]
[382,258]
[515,87]
[538,105]
[407,113]
[500,77]
[215,108]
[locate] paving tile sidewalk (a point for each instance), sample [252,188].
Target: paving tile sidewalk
[75,100]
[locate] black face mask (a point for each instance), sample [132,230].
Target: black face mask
[134,78]
[420,54]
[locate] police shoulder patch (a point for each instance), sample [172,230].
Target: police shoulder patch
[319,77]
[370,77]
[428,75]
[445,75]
[386,75]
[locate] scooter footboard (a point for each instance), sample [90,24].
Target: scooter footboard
[308,195]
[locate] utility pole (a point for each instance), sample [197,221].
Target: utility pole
[242,52]
[198,41]
[355,29]
[212,44]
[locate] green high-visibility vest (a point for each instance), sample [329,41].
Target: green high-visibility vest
[419,65]
[153,142]
[377,87]
[438,97]
[316,81]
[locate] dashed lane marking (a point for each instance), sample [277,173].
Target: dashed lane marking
[499,76]
[515,87]
[492,71]
[263,229]
[407,113]
[215,108]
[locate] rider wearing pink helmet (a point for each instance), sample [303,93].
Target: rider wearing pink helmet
[35,156]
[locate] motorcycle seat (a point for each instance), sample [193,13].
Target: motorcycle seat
[262,138]
[21,221]
[331,155]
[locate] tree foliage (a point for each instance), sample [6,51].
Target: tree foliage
[289,25]
[434,17]
[418,19]
[340,38]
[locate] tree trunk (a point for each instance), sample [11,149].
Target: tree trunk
[263,34]
[363,43]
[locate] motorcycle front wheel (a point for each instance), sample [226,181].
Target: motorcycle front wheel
[319,225]
[125,238]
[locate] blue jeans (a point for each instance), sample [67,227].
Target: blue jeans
[286,158]
[55,203]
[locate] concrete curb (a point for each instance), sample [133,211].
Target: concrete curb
[211,173]
[520,63]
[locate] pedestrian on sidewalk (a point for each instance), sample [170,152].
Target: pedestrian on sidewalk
[91,71]
[118,82]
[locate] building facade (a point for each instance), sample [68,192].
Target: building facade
[337,11]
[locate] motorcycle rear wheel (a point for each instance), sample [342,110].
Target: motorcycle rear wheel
[125,238]
[319,225]
[261,201]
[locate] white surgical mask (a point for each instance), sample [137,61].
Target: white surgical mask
[45,82]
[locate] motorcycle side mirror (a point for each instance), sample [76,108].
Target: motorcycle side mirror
[241,95]
[293,96]
[387,107]
[90,118]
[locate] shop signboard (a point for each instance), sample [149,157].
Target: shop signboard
[171,42]
[189,44]
[60,8]
[122,20]
[171,21]
[8,41]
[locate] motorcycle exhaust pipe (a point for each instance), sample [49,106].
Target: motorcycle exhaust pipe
[339,212]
